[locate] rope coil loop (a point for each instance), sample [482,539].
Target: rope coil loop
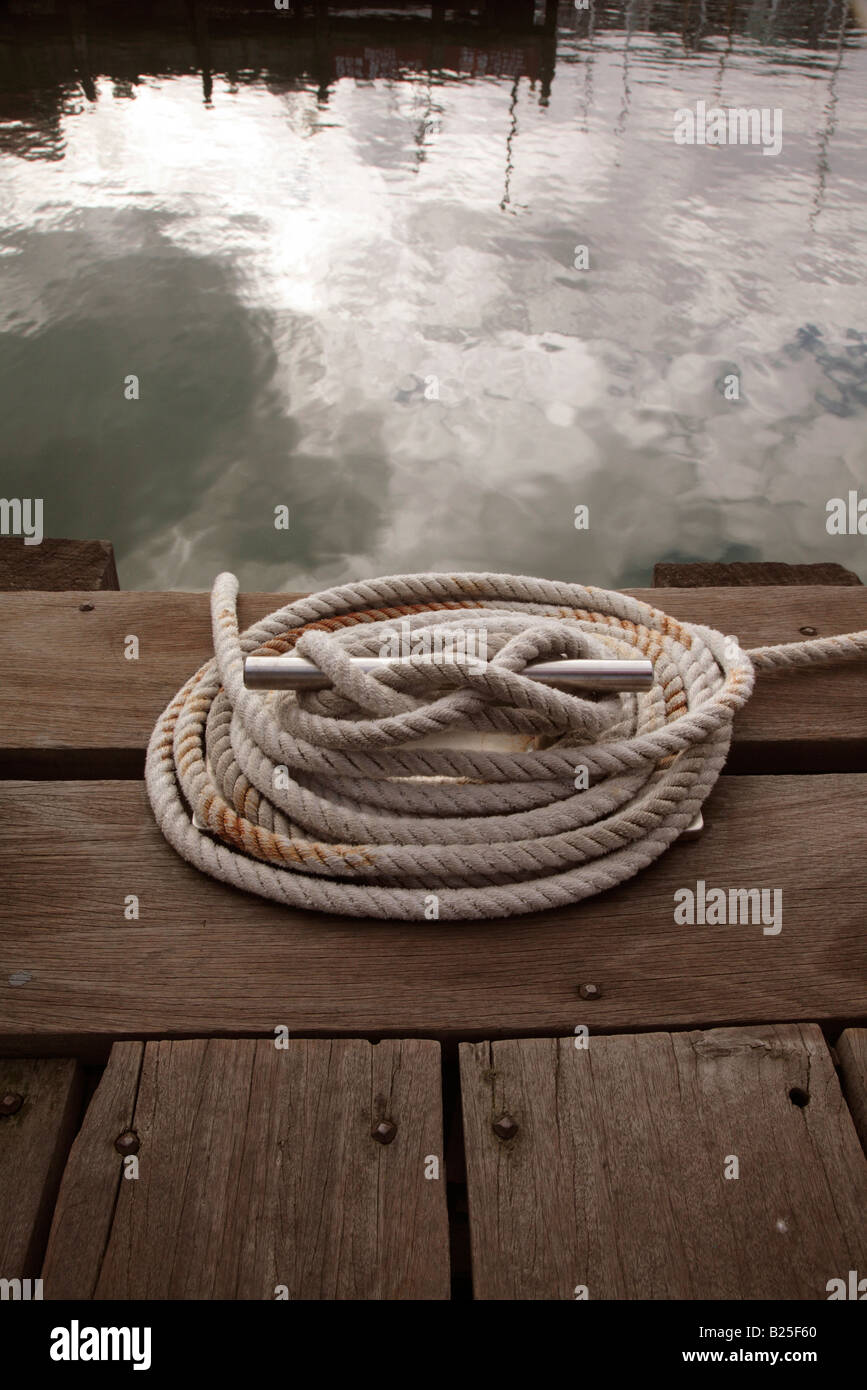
[367,798]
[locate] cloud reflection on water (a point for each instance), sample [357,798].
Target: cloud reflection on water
[285,267]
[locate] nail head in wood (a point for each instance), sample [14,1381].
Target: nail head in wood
[384,1132]
[85,608]
[809,631]
[505,1127]
[127,1143]
[11,1103]
[590,991]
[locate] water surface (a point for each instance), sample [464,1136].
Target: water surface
[338,255]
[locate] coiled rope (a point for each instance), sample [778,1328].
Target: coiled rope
[328,801]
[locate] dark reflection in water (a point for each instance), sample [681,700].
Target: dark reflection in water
[337,248]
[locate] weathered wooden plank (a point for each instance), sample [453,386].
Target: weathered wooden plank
[259,1176]
[203,958]
[91,1179]
[852,1052]
[616,1177]
[34,1140]
[57,564]
[72,705]
[690,574]
[96,708]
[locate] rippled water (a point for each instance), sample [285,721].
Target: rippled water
[338,254]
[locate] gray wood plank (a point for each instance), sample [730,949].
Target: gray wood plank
[615,1179]
[34,1140]
[91,1180]
[259,1176]
[852,1052]
[72,705]
[204,959]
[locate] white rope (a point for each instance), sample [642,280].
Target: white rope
[327,801]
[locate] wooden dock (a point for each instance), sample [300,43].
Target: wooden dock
[223,1098]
